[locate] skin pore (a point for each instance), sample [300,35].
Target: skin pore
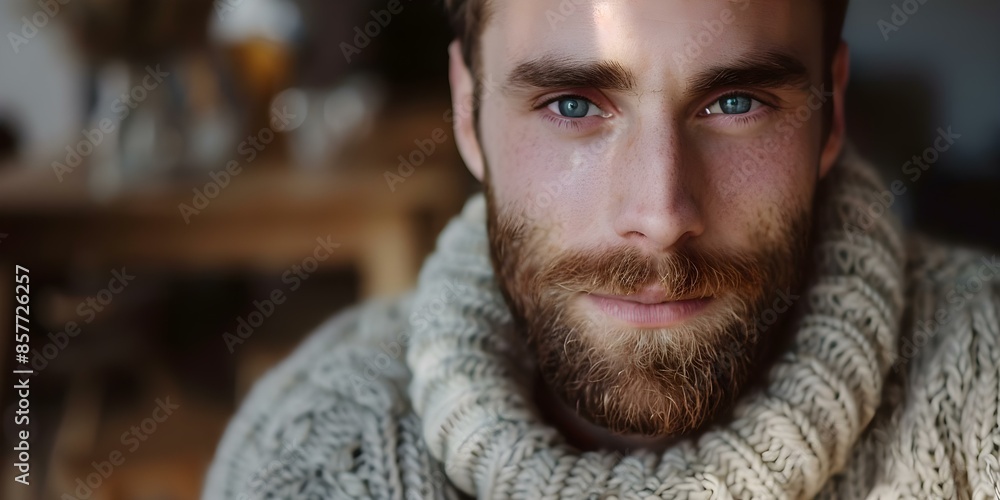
[645,206]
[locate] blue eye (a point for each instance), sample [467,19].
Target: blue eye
[733,105]
[574,107]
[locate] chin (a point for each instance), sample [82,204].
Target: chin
[658,382]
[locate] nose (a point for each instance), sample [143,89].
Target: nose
[657,204]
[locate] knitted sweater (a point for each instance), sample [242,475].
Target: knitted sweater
[889,388]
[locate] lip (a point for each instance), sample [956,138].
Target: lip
[648,308]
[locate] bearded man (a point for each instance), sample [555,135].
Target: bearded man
[679,282]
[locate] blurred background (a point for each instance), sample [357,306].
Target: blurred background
[196,185]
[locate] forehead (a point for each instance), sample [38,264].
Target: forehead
[668,38]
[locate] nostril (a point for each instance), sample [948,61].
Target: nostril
[683,239]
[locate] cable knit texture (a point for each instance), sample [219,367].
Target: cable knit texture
[890,388]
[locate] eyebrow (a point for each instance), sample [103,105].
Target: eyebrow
[768,69]
[549,72]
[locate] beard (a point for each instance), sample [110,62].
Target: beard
[650,381]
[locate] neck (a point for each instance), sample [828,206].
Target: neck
[586,436]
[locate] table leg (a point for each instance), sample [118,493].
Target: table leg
[391,256]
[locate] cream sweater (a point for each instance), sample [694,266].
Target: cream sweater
[890,388]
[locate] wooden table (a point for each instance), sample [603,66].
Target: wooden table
[266,219]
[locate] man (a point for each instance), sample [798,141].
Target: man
[679,283]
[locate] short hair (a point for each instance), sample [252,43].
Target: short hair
[469,17]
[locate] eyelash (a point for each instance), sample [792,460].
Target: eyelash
[747,118]
[741,120]
[569,123]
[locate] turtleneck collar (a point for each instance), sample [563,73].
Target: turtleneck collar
[471,386]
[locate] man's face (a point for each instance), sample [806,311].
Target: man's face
[650,168]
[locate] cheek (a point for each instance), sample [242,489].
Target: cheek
[550,181]
[521,162]
[760,184]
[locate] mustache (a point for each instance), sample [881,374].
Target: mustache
[518,251]
[683,274]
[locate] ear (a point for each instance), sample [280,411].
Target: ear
[462,95]
[841,71]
